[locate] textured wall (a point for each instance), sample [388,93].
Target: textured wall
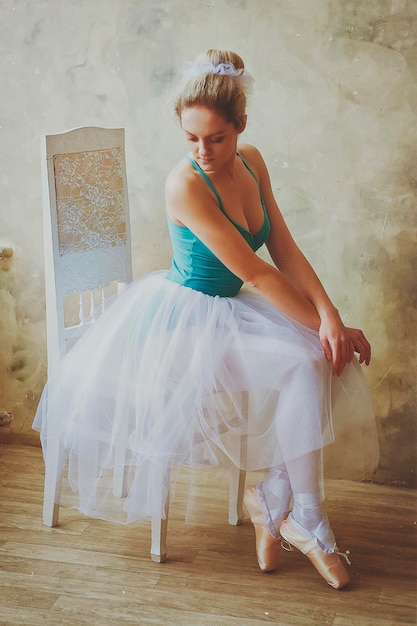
[334,113]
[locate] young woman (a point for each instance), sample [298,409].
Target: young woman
[175,338]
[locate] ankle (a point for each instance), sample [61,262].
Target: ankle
[274,495]
[272,521]
[308,509]
[310,515]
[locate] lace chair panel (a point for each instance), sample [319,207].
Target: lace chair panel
[91,269]
[90,200]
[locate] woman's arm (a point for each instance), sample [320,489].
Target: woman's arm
[189,202]
[292,286]
[338,341]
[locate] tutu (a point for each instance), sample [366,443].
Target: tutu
[159,382]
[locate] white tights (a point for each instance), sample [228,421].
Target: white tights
[302,480]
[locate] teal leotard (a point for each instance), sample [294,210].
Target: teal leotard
[195,266]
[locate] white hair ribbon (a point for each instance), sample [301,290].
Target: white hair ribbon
[198,68]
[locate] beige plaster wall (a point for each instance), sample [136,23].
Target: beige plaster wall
[334,113]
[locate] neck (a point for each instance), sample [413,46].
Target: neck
[228,169]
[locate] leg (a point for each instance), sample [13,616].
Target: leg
[159,537]
[307,527]
[274,495]
[237,476]
[52,485]
[120,473]
[236,487]
[306,480]
[267,504]
[159,526]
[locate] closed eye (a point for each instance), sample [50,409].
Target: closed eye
[194,139]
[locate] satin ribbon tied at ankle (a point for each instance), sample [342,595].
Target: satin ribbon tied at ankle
[328,564]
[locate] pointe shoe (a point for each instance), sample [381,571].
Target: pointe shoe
[267,546]
[329,565]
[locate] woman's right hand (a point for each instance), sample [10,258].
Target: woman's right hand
[340,342]
[361,344]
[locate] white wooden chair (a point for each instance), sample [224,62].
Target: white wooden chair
[87,252]
[87,249]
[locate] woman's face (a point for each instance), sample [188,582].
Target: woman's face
[212,139]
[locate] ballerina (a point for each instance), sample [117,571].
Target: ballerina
[141,378]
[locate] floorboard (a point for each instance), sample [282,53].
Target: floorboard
[87,572]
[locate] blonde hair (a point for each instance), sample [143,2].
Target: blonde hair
[224,92]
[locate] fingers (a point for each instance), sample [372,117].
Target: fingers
[362,347]
[332,353]
[340,348]
[327,350]
[341,353]
[342,358]
[350,350]
[364,351]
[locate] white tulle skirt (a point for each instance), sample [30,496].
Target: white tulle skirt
[169,376]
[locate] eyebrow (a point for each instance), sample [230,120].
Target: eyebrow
[220,132]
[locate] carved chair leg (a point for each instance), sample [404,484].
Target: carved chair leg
[52,486]
[159,537]
[238,476]
[236,488]
[120,473]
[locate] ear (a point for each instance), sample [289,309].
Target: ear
[243,121]
[241,124]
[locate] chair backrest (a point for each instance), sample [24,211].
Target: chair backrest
[86,229]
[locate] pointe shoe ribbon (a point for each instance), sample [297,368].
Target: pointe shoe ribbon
[267,546]
[329,565]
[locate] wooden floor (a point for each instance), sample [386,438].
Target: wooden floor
[92,572]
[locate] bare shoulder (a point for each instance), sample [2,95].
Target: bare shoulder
[179,177]
[182,189]
[181,182]
[248,150]
[253,157]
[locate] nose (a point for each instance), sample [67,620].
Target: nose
[203,148]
